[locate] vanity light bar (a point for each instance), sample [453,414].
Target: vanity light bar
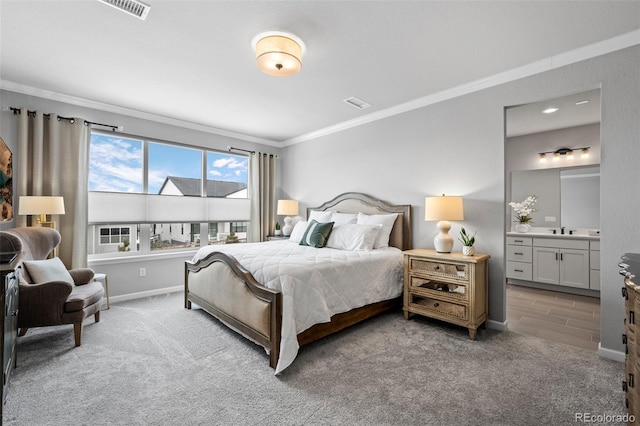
[567,152]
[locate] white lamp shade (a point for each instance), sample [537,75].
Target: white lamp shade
[39,205]
[443,208]
[287,207]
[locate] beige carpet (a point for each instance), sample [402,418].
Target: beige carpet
[152,362]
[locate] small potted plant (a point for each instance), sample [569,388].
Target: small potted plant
[278,230]
[467,242]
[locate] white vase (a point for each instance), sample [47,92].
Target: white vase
[523,227]
[468,250]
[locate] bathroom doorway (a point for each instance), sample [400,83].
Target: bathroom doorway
[554,139]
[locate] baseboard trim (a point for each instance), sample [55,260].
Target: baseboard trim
[497,325]
[142,294]
[610,354]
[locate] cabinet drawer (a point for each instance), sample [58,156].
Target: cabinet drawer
[519,253]
[426,287]
[519,270]
[436,306]
[453,271]
[520,241]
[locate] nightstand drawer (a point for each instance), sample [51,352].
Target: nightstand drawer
[426,287]
[441,307]
[453,271]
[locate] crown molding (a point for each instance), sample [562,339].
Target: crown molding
[570,57]
[130,112]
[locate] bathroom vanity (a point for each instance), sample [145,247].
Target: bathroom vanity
[554,261]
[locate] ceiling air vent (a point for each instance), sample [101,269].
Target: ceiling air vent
[356,103]
[132,7]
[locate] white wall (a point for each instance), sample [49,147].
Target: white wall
[457,147]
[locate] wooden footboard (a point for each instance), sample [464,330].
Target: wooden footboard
[223,288]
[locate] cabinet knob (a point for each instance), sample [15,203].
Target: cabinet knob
[435,305]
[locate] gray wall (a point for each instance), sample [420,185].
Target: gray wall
[457,147]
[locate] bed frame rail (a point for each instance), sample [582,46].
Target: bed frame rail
[222,287]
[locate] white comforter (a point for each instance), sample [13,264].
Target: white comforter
[316,283]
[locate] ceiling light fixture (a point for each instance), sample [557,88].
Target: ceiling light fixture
[550,110]
[568,153]
[278,53]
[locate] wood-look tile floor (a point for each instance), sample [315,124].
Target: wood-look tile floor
[561,317]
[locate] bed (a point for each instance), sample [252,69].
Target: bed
[261,291]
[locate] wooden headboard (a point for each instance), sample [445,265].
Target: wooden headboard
[355,202]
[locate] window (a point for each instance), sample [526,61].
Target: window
[112,239]
[171,236]
[115,235]
[174,170]
[115,164]
[153,190]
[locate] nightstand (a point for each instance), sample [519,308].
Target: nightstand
[446,286]
[276,237]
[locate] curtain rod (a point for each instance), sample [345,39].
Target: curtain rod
[16,111]
[230,148]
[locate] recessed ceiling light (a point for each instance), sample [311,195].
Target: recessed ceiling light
[550,110]
[586,101]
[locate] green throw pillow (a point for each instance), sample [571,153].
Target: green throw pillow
[317,234]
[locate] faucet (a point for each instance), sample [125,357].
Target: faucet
[562,230]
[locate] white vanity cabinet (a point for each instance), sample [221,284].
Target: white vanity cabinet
[561,261]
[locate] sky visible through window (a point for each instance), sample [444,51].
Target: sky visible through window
[116,164]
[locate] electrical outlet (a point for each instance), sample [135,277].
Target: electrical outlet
[143,272]
[549,218]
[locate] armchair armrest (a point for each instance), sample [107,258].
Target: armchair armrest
[81,276]
[42,304]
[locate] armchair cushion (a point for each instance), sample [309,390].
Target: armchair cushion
[82,276]
[84,295]
[42,271]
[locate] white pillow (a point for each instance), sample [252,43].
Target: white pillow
[298,231]
[44,271]
[320,215]
[386,220]
[343,218]
[352,236]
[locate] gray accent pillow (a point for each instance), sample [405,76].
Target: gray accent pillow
[44,271]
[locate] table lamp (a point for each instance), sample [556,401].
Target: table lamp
[287,208]
[443,209]
[41,206]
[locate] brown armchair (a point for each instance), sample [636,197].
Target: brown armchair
[49,294]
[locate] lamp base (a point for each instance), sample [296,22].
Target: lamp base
[443,242]
[288,227]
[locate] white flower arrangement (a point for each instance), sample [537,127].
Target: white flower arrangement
[524,209]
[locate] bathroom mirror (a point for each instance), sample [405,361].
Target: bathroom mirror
[568,198]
